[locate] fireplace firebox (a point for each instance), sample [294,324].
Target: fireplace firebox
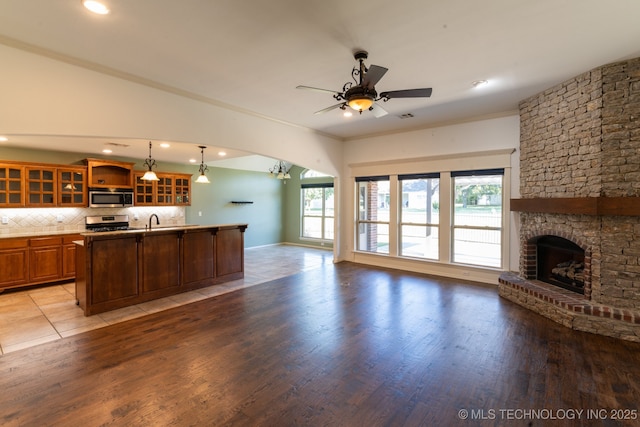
[560,262]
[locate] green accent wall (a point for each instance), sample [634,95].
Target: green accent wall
[214,202]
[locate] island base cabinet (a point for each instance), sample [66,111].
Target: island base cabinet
[109,279]
[160,263]
[198,258]
[120,269]
[229,243]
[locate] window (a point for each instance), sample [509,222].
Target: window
[419,215]
[310,173]
[373,214]
[317,211]
[477,217]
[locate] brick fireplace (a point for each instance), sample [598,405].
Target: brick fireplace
[580,183]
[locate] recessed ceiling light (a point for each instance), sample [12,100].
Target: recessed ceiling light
[107,151]
[348,113]
[165,145]
[192,160]
[221,153]
[3,139]
[96,7]
[479,83]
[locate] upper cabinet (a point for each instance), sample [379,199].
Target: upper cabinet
[72,186]
[36,185]
[109,174]
[11,185]
[40,186]
[171,189]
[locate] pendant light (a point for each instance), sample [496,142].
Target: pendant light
[202,179]
[150,175]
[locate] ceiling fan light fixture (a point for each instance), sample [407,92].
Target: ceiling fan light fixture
[361,103]
[96,7]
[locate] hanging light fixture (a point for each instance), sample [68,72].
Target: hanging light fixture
[150,175]
[280,171]
[203,168]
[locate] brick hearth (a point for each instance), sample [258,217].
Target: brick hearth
[569,308]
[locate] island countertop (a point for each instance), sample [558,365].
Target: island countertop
[162,228]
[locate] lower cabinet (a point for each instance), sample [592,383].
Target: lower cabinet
[45,259]
[14,262]
[37,260]
[69,256]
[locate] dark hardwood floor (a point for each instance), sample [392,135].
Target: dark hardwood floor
[341,345]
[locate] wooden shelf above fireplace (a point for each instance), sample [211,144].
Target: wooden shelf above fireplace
[624,206]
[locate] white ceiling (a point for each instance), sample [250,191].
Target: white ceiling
[252,54]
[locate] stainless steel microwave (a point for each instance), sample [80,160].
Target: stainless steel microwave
[110,198]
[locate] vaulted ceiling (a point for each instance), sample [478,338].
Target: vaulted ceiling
[251,55]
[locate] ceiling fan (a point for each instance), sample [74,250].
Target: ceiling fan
[363,96]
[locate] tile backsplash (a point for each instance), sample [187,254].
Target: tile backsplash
[44,220]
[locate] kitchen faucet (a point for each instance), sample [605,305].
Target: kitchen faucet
[157,220]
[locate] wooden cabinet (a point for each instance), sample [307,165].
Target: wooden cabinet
[14,262]
[45,259]
[228,245]
[198,261]
[144,193]
[120,269]
[165,190]
[72,187]
[69,255]
[11,185]
[183,190]
[160,262]
[37,185]
[37,260]
[40,186]
[109,173]
[171,189]
[113,262]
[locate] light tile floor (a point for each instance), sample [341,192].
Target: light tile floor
[34,316]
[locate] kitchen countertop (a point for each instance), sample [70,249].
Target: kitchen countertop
[40,233]
[110,233]
[159,228]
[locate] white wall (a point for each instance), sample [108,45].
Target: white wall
[44,96]
[383,152]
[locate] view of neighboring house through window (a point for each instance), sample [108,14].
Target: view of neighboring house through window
[477,217]
[317,211]
[419,215]
[463,225]
[373,214]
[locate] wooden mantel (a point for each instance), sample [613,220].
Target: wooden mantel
[623,206]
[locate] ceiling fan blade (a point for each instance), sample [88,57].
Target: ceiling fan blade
[333,107]
[378,111]
[373,76]
[409,93]
[316,89]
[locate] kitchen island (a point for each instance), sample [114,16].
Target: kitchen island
[121,268]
